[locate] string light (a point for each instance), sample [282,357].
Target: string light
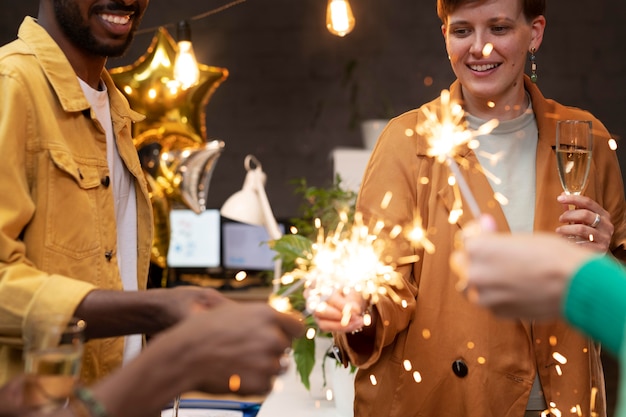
[186,70]
[339,17]
[197,17]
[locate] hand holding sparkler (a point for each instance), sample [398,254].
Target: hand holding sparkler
[341,312]
[348,262]
[341,275]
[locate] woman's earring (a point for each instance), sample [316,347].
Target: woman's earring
[533,66]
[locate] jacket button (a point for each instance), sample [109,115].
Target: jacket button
[105,181]
[108,255]
[459,368]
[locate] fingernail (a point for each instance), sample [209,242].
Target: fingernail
[487,223]
[560,198]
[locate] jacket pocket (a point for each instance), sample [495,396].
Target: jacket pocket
[72,218]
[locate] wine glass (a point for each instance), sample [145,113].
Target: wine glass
[176,406]
[53,356]
[573,156]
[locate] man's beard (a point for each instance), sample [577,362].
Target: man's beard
[79,33]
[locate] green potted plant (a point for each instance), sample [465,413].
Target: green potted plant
[325,204]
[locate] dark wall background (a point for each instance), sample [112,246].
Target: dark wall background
[288,103]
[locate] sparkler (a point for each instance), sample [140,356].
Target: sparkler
[347,260]
[446,134]
[350,263]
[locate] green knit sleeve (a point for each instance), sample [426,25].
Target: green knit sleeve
[595,301]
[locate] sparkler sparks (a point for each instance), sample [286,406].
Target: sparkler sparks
[348,261]
[448,132]
[417,236]
[234,383]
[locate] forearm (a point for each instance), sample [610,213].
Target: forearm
[202,354]
[363,348]
[146,385]
[116,313]
[594,301]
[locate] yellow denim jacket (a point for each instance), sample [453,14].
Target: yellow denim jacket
[57,220]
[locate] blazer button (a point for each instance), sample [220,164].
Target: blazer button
[108,255]
[459,367]
[105,181]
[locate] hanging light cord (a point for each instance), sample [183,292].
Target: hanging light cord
[197,17]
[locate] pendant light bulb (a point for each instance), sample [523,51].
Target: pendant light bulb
[339,17]
[186,70]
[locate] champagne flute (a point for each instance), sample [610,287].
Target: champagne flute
[176,406]
[573,156]
[53,356]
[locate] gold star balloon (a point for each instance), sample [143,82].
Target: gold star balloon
[151,88]
[172,142]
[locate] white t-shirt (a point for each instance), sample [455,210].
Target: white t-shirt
[509,154]
[125,205]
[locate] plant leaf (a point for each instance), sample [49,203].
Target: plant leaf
[294,250]
[289,248]
[304,356]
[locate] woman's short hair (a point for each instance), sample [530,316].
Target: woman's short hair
[531,8]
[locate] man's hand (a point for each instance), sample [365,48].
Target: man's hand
[522,275]
[118,313]
[11,398]
[176,304]
[235,347]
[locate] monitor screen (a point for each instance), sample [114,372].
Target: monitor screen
[194,239]
[245,247]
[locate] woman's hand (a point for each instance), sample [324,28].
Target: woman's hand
[588,220]
[341,313]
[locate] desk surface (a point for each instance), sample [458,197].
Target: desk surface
[289,398]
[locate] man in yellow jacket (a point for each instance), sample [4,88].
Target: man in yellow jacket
[75,216]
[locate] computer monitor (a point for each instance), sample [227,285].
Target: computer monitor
[245,248]
[195,239]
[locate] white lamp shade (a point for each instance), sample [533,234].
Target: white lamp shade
[251,206]
[244,206]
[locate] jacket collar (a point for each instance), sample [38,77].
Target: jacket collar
[120,109]
[477,182]
[62,76]
[546,124]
